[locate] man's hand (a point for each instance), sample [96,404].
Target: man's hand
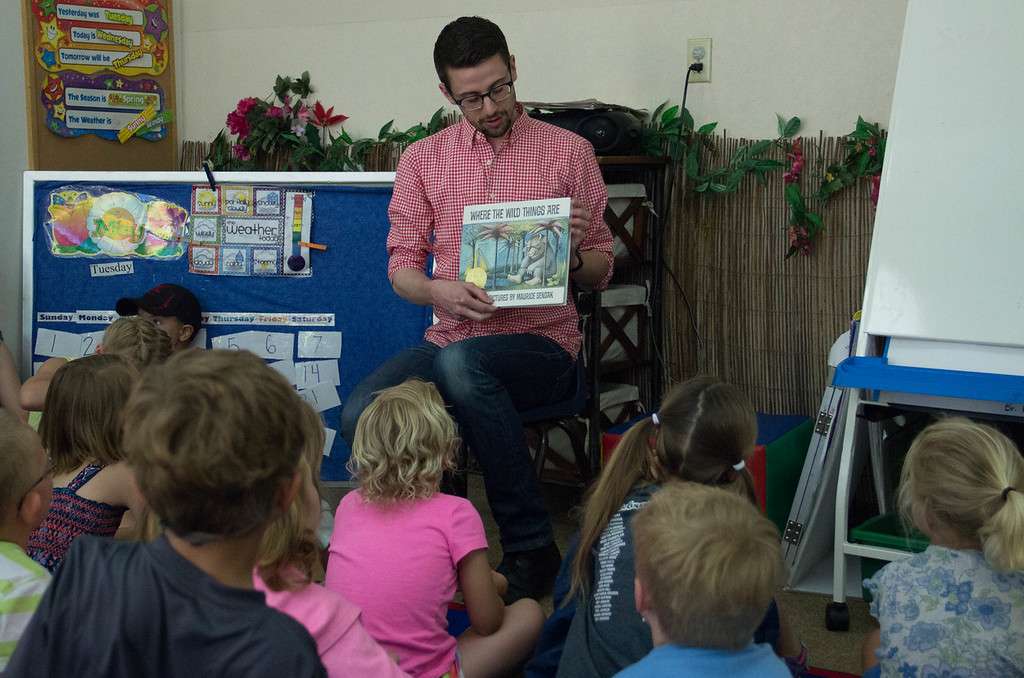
[579,222]
[461,299]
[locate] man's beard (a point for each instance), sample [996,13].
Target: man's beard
[499,132]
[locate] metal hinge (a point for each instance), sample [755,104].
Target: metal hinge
[822,424]
[794,531]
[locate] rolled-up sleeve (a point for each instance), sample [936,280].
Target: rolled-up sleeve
[411,216]
[589,187]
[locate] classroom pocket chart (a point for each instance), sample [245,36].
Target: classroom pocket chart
[246,230]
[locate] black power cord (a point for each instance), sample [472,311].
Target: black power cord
[693,68]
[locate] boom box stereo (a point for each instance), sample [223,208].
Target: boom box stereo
[611,132]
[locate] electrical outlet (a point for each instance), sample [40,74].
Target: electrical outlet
[699,50]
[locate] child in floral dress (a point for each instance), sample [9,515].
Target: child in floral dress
[957,609]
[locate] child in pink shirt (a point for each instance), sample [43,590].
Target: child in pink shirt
[400,548]
[289,560]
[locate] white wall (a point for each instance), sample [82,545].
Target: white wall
[824,60]
[13,161]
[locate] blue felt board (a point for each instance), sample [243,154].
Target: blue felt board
[349,280]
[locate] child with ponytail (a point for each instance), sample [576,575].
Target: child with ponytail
[703,433]
[958,607]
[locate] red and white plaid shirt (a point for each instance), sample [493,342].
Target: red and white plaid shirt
[438,176]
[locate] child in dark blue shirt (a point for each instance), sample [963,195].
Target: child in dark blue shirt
[214,440]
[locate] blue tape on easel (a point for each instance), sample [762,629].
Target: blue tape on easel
[876,373]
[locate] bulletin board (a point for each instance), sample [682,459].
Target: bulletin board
[325,330]
[91,67]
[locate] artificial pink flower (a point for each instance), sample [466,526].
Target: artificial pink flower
[241,152]
[238,124]
[245,105]
[302,116]
[799,239]
[275,112]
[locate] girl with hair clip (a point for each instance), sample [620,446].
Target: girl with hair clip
[81,430]
[703,433]
[400,548]
[957,609]
[290,563]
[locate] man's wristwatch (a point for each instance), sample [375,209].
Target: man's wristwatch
[579,256]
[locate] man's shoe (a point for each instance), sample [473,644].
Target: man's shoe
[530,574]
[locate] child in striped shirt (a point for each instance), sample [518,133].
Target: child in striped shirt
[26,486]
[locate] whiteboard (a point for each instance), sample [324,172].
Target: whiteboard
[948,247]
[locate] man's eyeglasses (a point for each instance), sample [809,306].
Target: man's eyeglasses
[474,102]
[48,472]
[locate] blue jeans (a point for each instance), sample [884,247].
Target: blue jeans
[486,382]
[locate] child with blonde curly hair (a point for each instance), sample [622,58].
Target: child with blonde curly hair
[957,609]
[289,566]
[401,548]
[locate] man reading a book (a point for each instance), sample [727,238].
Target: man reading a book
[488,363]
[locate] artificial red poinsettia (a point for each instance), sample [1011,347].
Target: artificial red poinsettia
[326,118]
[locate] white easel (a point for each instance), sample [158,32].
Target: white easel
[943,314]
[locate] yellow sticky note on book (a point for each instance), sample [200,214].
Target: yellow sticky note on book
[133,126]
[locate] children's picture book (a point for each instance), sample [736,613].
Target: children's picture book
[518,252]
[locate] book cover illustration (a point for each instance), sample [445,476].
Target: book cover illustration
[518,252]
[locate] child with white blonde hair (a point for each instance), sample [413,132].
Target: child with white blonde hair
[134,338]
[138,340]
[958,607]
[707,567]
[289,566]
[400,547]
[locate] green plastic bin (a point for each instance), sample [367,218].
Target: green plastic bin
[887,531]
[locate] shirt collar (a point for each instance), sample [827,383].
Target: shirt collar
[470,135]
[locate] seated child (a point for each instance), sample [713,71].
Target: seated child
[81,430]
[400,547]
[172,308]
[136,339]
[214,439]
[707,566]
[25,489]
[289,561]
[703,433]
[957,609]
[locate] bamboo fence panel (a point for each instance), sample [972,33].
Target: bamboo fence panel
[764,322]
